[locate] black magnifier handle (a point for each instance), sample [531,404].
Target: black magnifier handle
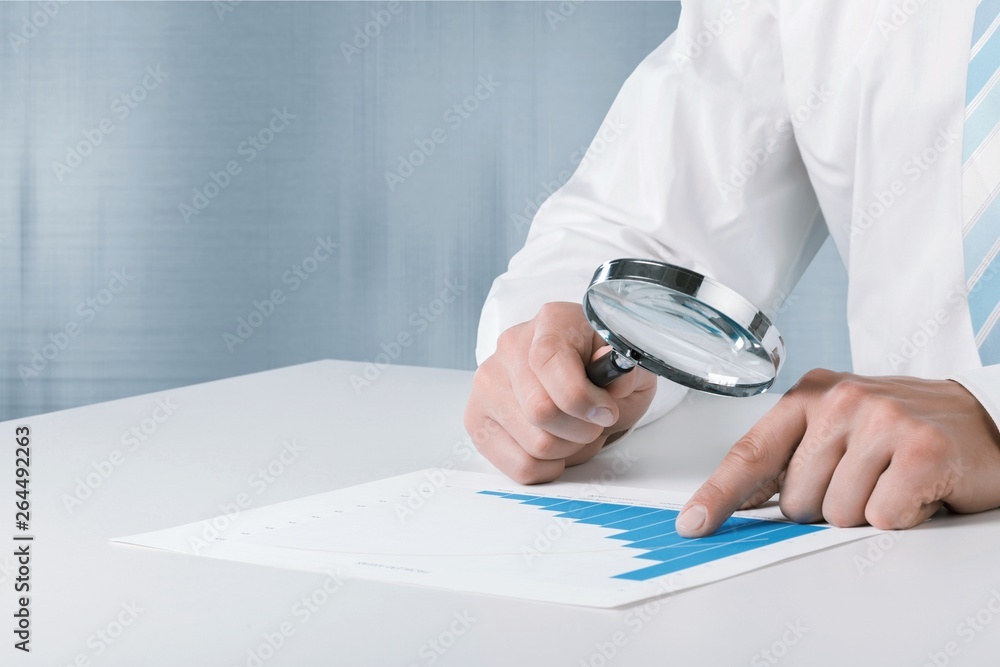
[603,370]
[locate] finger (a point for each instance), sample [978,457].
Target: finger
[586,453]
[754,461]
[908,492]
[632,407]
[540,411]
[491,439]
[888,517]
[538,442]
[636,380]
[504,452]
[559,367]
[544,444]
[854,480]
[811,468]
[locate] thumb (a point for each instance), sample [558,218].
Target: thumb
[557,359]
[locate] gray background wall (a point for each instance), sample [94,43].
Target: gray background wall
[64,232]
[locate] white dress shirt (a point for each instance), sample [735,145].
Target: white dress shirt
[751,133]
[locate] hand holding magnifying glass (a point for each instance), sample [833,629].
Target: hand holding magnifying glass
[533,412]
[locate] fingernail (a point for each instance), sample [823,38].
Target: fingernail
[692,519]
[601,416]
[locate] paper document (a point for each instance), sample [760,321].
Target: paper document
[584,544]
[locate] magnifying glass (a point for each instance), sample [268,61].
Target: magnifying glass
[680,325]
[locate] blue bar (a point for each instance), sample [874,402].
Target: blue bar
[663,528]
[502,494]
[656,516]
[750,537]
[779,533]
[541,501]
[522,497]
[596,510]
[732,529]
[630,512]
[563,505]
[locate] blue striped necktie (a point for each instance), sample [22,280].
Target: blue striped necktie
[981,180]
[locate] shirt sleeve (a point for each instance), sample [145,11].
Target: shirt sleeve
[984,384]
[694,164]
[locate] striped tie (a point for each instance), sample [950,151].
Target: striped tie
[981,180]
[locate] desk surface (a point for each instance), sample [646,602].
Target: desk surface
[902,598]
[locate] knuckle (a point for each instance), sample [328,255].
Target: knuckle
[561,309]
[798,509]
[543,350]
[882,517]
[479,448]
[481,429]
[475,421]
[579,333]
[809,448]
[508,339]
[542,445]
[525,471]
[540,409]
[842,518]
[929,439]
[470,419]
[479,441]
[483,379]
[815,378]
[576,398]
[924,448]
[846,396]
[547,310]
[712,493]
[882,415]
[749,450]
[819,376]
[888,411]
[551,312]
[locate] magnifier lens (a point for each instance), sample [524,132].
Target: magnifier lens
[685,327]
[682,332]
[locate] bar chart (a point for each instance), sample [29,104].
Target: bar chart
[564,542]
[652,530]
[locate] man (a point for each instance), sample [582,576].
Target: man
[750,134]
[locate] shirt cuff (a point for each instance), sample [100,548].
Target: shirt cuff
[984,384]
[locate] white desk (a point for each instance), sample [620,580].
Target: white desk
[199,611]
